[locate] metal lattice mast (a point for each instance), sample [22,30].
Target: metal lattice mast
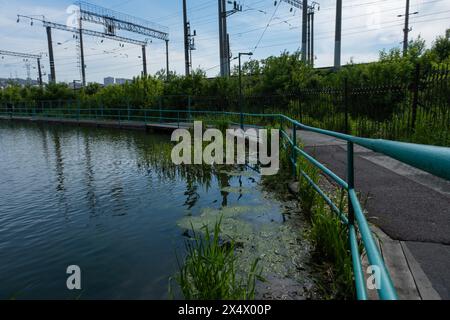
[224,38]
[308,11]
[112,21]
[77,32]
[26,56]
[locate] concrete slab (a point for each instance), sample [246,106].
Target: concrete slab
[434,259]
[396,262]
[408,277]
[423,284]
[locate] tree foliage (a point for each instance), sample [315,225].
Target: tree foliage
[275,75]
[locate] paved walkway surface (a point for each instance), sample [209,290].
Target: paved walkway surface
[408,204]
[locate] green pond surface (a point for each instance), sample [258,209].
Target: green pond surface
[112,202]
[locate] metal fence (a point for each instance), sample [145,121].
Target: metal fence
[414,111]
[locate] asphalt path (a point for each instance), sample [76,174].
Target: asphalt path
[406,203]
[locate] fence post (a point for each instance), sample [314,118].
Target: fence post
[78,109]
[189,107]
[160,109]
[347,124]
[10,108]
[300,113]
[128,108]
[415,102]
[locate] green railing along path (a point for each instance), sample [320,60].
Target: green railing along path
[434,160]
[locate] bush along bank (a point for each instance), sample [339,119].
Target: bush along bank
[328,235]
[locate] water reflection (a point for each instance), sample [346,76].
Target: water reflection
[43,134]
[59,162]
[191,192]
[152,159]
[89,176]
[124,196]
[224,182]
[59,171]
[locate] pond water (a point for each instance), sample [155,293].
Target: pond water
[111,202]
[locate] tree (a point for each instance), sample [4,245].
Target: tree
[441,48]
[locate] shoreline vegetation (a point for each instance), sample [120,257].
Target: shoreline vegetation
[210,271]
[211,268]
[328,235]
[397,98]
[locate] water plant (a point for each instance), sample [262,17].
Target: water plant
[209,271]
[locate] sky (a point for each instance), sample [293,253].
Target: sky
[264,28]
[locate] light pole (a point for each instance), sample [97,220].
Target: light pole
[240,86]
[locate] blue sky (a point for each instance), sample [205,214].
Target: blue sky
[368,27]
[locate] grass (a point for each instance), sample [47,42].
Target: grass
[209,271]
[330,238]
[308,196]
[327,233]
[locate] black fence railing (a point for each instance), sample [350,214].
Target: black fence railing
[416,111]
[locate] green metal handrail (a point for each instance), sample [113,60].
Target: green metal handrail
[435,160]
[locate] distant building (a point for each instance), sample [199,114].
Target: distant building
[122,81]
[76,84]
[6,82]
[108,81]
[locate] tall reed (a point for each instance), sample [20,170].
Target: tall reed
[210,272]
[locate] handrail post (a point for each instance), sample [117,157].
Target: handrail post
[351,179]
[361,291]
